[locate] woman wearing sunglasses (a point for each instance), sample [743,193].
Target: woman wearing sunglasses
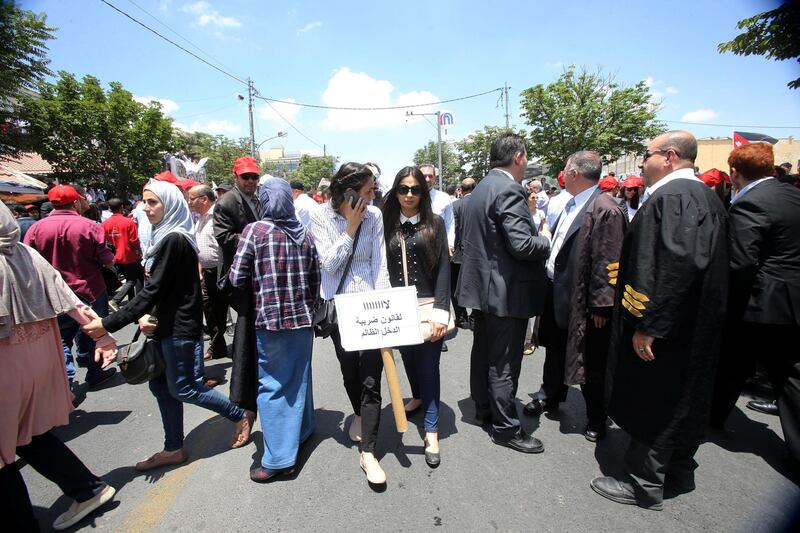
[417,252]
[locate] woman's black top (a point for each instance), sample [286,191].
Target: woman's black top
[173,287]
[429,284]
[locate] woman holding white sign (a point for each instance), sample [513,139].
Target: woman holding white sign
[418,255]
[348,234]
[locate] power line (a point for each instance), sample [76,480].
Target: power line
[388,108]
[217,61]
[286,120]
[148,28]
[733,125]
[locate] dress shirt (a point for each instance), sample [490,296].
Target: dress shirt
[571,210]
[747,187]
[207,246]
[368,269]
[541,201]
[303,207]
[682,173]
[442,205]
[556,206]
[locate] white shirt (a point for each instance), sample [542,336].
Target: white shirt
[567,218]
[735,197]
[681,173]
[556,206]
[631,211]
[303,207]
[541,201]
[105,215]
[442,205]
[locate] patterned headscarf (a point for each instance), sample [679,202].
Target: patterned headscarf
[277,206]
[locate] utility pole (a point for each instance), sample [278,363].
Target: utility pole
[438,116]
[505,99]
[250,113]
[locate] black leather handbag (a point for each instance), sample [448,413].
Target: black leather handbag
[324,319]
[141,360]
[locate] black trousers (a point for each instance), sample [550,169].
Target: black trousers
[244,372]
[495,365]
[215,310]
[651,468]
[52,459]
[460,312]
[554,339]
[134,280]
[361,374]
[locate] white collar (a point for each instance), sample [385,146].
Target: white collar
[413,220]
[681,173]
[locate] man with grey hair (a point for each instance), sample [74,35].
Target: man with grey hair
[587,239]
[670,301]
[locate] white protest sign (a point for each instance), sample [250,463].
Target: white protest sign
[378,319]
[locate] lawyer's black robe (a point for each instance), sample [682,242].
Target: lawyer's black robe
[672,285]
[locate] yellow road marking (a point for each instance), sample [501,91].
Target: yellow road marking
[147,515]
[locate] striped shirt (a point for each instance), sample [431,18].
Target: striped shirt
[368,269]
[285,276]
[207,246]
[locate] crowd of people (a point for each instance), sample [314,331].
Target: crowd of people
[656,294]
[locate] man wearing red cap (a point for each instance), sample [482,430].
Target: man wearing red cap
[76,247]
[232,213]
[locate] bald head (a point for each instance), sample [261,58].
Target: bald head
[681,141]
[670,151]
[467,186]
[201,198]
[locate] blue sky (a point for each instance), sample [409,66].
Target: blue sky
[375,54]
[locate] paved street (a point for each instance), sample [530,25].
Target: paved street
[741,484]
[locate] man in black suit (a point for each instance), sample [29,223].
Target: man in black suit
[467,186]
[502,279]
[764,300]
[587,239]
[232,213]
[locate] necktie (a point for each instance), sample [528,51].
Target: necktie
[570,205]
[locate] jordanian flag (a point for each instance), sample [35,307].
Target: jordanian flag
[740,138]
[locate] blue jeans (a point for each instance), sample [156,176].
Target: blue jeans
[421,362]
[182,382]
[71,332]
[285,399]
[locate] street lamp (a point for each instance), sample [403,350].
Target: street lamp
[280,134]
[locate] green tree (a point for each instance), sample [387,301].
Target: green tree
[774,34]
[23,64]
[220,150]
[588,111]
[474,149]
[450,160]
[313,169]
[100,138]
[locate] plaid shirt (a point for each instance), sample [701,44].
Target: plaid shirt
[285,277]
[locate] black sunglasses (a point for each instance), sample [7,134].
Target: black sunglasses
[403,190]
[250,177]
[648,153]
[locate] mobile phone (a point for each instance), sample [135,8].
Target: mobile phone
[351,196]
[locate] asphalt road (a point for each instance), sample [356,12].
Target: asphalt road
[742,482]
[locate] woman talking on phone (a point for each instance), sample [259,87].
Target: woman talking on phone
[347,225]
[418,255]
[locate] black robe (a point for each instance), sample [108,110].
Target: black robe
[672,285]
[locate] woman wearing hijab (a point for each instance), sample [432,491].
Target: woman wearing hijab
[34,393]
[277,258]
[173,296]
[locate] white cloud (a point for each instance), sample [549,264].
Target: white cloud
[222,127]
[358,89]
[310,26]
[701,115]
[287,110]
[167,106]
[207,15]
[671,90]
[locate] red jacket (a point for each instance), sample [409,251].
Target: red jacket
[122,234]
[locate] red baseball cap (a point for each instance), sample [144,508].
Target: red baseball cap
[62,195]
[714,177]
[608,183]
[245,165]
[632,182]
[187,184]
[166,176]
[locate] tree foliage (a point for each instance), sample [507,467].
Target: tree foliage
[773,34]
[450,160]
[97,137]
[474,149]
[23,64]
[313,169]
[588,111]
[220,150]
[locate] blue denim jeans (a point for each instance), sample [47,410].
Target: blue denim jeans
[421,362]
[71,333]
[182,382]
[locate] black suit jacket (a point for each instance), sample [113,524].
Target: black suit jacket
[502,270]
[458,213]
[764,250]
[231,214]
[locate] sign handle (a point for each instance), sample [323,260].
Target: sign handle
[398,408]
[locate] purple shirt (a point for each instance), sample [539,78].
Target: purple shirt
[76,247]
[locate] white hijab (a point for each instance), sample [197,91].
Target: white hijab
[177,218]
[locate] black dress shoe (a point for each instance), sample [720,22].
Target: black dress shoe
[594,435]
[616,491]
[262,475]
[444,346]
[536,407]
[521,442]
[770,408]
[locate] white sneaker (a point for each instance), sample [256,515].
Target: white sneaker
[355,429]
[78,510]
[372,469]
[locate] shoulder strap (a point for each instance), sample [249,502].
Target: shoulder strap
[349,260]
[403,253]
